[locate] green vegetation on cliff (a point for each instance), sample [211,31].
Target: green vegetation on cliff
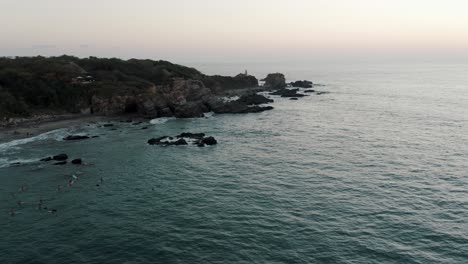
[65,84]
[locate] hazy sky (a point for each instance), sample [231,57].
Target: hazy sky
[235,30]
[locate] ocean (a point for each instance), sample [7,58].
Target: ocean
[375,171]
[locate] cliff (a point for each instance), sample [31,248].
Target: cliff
[66,84]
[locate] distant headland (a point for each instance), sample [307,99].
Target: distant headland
[44,88]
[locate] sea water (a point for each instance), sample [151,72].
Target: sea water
[376,171]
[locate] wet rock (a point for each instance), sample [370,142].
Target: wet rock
[236,107]
[156,141]
[302,84]
[60,157]
[75,137]
[179,142]
[47,159]
[254,99]
[77,161]
[190,110]
[191,135]
[209,141]
[60,163]
[288,93]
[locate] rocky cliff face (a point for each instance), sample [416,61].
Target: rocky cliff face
[275,81]
[182,98]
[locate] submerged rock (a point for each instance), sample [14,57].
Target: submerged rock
[77,161]
[60,163]
[60,157]
[294,98]
[309,91]
[209,141]
[75,137]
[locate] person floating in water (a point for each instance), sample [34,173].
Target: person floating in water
[52,211]
[39,205]
[70,182]
[23,188]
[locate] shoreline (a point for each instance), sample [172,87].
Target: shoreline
[33,127]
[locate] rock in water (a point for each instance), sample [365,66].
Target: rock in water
[156,141]
[179,142]
[76,137]
[288,93]
[293,98]
[209,141]
[254,99]
[60,163]
[47,159]
[302,84]
[191,135]
[77,161]
[275,81]
[60,157]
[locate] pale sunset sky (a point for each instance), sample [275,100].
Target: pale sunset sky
[240,30]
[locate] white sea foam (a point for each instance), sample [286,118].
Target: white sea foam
[209,114]
[16,162]
[58,135]
[230,99]
[161,120]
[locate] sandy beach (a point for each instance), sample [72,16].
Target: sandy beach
[36,126]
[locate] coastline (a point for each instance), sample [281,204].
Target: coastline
[35,126]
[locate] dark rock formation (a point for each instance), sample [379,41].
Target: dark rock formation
[77,161]
[294,98]
[108,125]
[156,141]
[254,99]
[309,91]
[60,157]
[209,141]
[302,84]
[236,107]
[191,135]
[275,81]
[178,142]
[219,84]
[288,93]
[75,137]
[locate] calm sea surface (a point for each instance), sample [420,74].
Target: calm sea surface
[376,171]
